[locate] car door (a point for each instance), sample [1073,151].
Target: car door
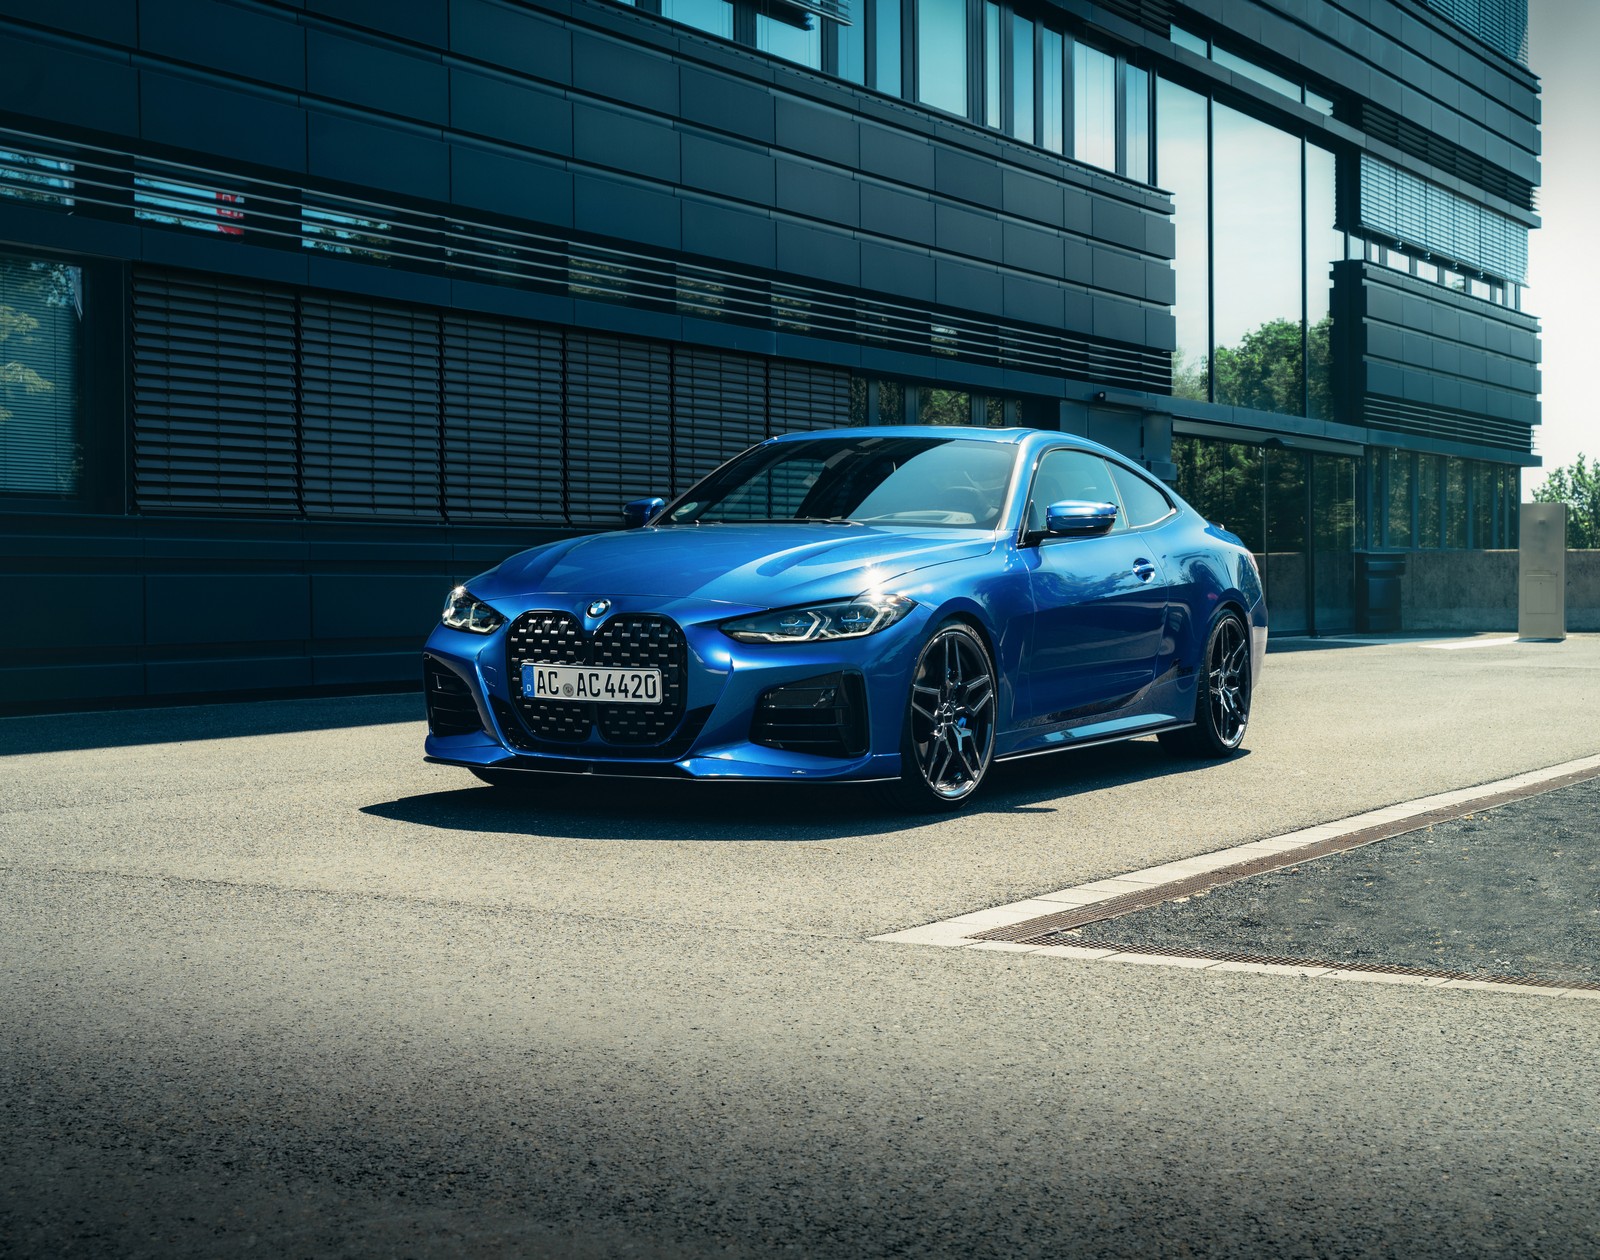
[1099,603]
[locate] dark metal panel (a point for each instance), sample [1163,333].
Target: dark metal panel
[356,152]
[818,192]
[408,84]
[499,107]
[626,209]
[624,72]
[82,88]
[425,24]
[225,38]
[727,104]
[215,119]
[737,235]
[532,189]
[625,140]
[728,168]
[519,39]
[187,608]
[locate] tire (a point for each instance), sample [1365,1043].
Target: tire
[948,741]
[1222,696]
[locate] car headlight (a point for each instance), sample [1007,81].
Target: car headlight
[463,612]
[848,619]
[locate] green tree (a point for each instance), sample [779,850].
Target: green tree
[17,377]
[1578,486]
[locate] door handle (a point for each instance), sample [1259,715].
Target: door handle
[1143,570]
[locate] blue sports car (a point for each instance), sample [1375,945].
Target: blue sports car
[902,604]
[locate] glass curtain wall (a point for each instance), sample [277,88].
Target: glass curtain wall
[1182,145]
[1256,240]
[41,346]
[1294,510]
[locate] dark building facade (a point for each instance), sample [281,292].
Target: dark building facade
[310,309]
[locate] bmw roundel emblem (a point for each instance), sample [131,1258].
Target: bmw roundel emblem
[599,608]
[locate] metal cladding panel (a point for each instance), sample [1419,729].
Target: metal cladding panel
[214,396]
[370,409]
[619,425]
[719,405]
[502,420]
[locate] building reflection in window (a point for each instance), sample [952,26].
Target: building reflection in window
[713,16]
[942,54]
[1181,169]
[1094,106]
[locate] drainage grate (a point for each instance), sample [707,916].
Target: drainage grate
[1382,969]
[1044,929]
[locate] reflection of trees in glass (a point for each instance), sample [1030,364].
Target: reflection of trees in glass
[1222,480]
[1578,486]
[38,365]
[945,406]
[1266,370]
[1189,376]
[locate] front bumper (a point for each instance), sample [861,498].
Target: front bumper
[724,681]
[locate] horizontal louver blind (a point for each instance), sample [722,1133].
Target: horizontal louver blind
[719,406]
[619,425]
[502,421]
[370,409]
[806,398]
[213,396]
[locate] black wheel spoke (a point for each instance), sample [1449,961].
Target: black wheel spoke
[952,709]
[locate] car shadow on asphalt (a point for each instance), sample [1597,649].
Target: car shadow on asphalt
[632,809]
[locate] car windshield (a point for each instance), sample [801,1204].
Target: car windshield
[957,483]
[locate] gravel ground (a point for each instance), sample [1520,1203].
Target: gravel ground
[1511,891]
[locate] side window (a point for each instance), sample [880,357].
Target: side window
[1142,501]
[1065,474]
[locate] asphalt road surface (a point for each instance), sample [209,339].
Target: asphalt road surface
[271,985]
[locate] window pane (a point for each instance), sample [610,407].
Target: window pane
[1455,503]
[1136,123]
[991,65]
[1256,251]
[1070,476]
[1324,246]
[1181,169]
[1222,481]
[41,322]
[1334,519]
[943,406]
[1483,505]
[1052,103]
[783,38]
[715,16]
[1142,501]
[851,43]
[1286,540]
[1094,97]
[886,52]
[1022,79]
[942,54]
[1184,39]
[1399,498]
[1429,519]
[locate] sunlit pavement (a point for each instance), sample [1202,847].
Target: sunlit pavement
[273,983]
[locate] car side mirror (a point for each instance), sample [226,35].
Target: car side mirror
[1073,518]
[641,512]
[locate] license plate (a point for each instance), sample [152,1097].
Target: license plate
[583,682]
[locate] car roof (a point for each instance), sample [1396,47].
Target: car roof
[1011,436]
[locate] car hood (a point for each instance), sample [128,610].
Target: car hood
[764,566]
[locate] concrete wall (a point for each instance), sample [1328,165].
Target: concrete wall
[1477,590]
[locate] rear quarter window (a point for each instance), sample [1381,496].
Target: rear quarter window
[1142,500]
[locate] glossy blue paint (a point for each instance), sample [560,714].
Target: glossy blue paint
[1092,637]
